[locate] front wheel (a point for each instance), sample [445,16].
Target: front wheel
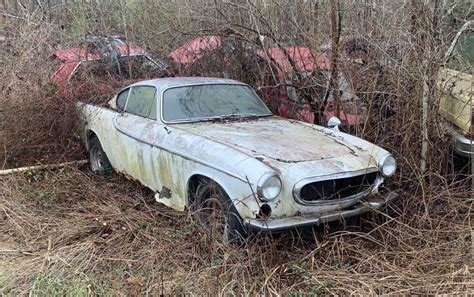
[215,212]
[98,159]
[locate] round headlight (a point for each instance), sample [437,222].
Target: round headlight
[388,165]
[268,187]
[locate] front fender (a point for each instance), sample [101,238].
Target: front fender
[240,192]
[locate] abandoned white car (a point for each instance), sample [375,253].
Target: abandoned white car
[212,146]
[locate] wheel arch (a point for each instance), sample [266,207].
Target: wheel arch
[236,190]
[236,230]
[197,177]
[89,135]
[193,183]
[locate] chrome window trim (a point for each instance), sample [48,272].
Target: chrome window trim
[126,99]
[300,184]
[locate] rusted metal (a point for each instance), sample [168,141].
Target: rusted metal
[275,79]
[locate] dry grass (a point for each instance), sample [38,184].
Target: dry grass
[72,232]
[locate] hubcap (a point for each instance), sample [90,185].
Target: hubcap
[96,159]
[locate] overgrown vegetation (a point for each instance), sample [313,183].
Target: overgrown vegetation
[71,232]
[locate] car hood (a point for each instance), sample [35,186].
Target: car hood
[276,138]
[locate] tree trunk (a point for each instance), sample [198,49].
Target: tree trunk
[335,33]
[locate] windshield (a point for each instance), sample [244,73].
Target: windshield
[211,101]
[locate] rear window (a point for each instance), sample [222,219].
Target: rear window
[138,67]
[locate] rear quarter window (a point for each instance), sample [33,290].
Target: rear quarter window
[122,99]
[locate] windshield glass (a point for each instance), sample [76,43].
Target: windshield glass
[205,102]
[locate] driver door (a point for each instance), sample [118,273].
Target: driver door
[136,128]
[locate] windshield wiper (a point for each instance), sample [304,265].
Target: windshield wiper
[239,116]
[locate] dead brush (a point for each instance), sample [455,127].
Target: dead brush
[38,121]
[77,230]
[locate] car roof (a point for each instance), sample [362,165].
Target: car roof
[303,57]
[165,83]
[81,54]
[194,49]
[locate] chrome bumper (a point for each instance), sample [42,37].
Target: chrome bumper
[275,225]
[462,145]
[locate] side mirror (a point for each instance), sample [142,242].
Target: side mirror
[334,123]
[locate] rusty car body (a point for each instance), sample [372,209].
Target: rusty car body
[300,80]
[293,80]
[187,129]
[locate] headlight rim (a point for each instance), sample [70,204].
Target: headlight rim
[261,183]
[382,164]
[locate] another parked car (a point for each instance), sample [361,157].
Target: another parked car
[455,83]
[100,61]
[298,87]
[211,145]
[294,81]
[218,56]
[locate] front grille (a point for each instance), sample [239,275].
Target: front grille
[337,188]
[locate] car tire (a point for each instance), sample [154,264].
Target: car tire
[394,209]
[98,160]
[215,211]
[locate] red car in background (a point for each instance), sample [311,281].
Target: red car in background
[294,81]
[100,62]
[302,87]
[192,51]
[217,56]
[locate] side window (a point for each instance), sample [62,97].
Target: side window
[142,102]
[122,99]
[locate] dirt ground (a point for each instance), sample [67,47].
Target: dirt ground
[71,232]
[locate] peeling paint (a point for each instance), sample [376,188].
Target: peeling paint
[234,154]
